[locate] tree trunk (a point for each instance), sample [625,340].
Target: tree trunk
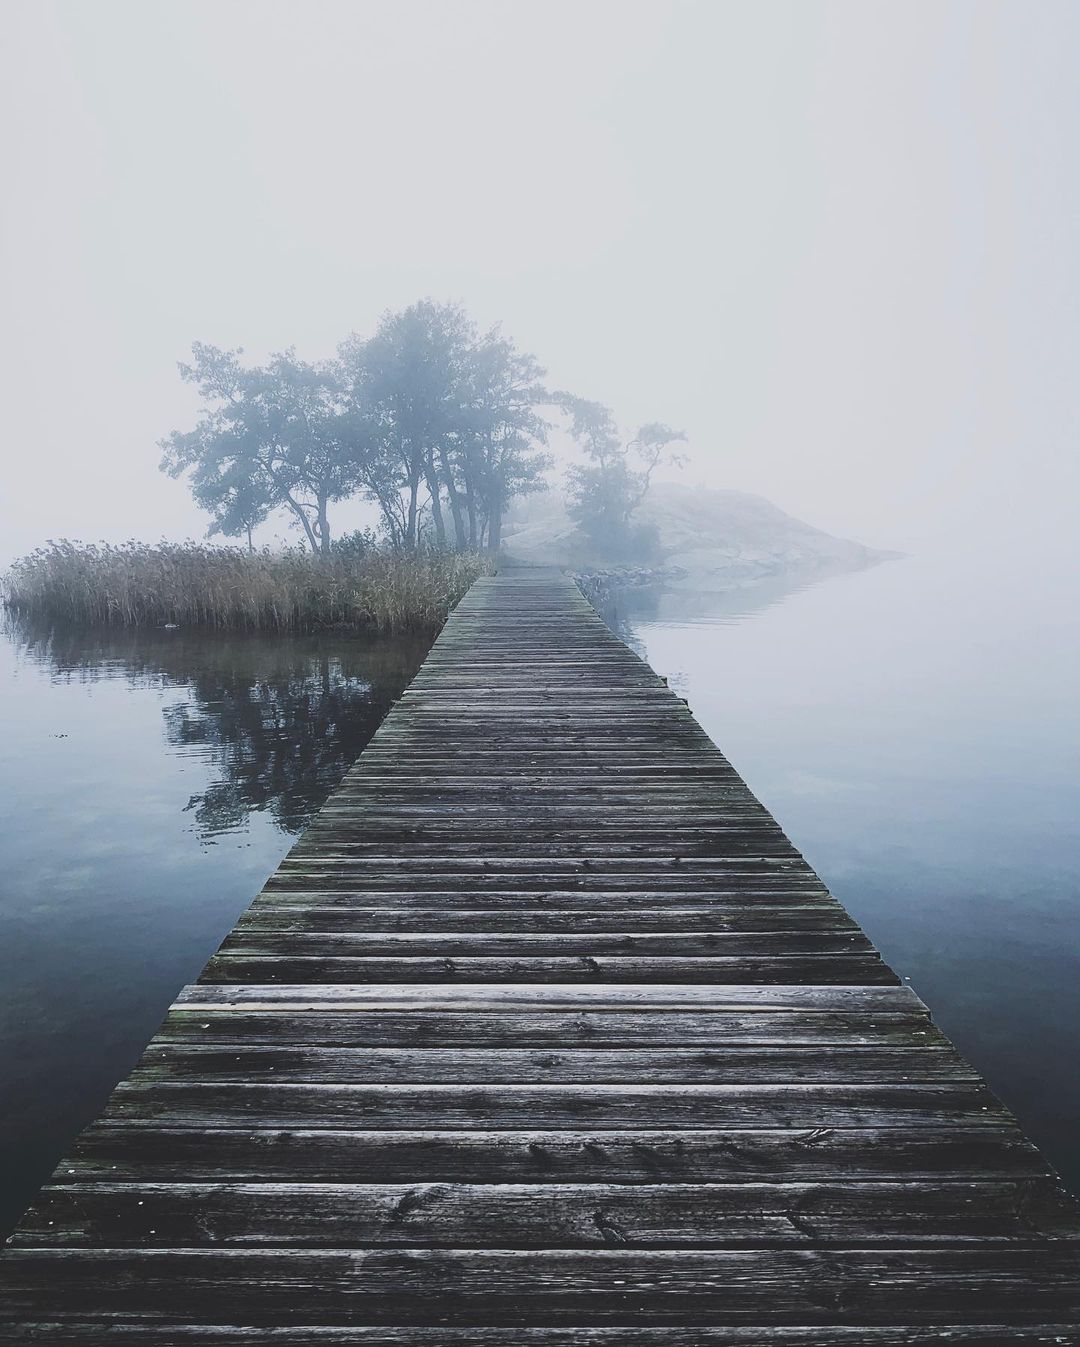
[394,524]
[495,528]
[455,510]
[305,522]
[323,528]
[470,505]
[436,505]
[453,495]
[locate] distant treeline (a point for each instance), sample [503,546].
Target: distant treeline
[439,424]
[192,584]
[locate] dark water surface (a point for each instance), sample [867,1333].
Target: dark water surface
[149,782]
[912,727]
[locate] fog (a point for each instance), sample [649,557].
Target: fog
[834,241]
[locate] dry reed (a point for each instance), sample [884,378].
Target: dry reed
[193,584]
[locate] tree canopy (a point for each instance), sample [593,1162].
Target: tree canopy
[269,437]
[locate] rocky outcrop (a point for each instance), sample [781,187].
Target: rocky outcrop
[719,538]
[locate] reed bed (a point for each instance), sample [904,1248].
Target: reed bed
[197,585]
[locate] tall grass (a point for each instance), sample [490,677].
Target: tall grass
[193,584]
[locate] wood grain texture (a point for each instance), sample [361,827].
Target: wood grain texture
[545,1034]
[93,1334]
[989,1283]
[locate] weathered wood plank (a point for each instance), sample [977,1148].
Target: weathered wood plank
[755,903]
[603,1155]
[484,1216]
[354,919]
[299,1063]
[92,1334]
[293,969]
[260,941]
[750,998]
[586,884]
[192,1104]
[595,1029]
[990,1283]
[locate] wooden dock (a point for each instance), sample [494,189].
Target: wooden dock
[545,1034]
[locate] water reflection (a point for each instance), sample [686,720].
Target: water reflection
[149,782]
[278,720]
[628,610]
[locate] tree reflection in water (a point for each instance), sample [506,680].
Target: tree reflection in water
[278,720]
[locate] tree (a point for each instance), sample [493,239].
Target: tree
[616,478]
[431,403]
[383,426]
[499,452]
[268,437]
[234,492]
[437,423]
[401,387]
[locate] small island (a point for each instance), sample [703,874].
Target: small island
[441,433]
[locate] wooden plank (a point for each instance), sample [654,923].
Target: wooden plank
[773,997]
[550,1028]
[248,941]
[193,1104]
[627,1155]
[751,903]
[819,969]
[299,1063]
[585,885]
[356,920]
[93,1334]
[990,1283]
[571,1216]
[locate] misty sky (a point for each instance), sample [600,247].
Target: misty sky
[837,242]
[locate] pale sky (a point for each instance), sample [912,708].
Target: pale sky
[836,242]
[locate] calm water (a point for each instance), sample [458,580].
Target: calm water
[913,728]
[148,785]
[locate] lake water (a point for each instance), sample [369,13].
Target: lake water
[913,727]
[149,783]
[915,730]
